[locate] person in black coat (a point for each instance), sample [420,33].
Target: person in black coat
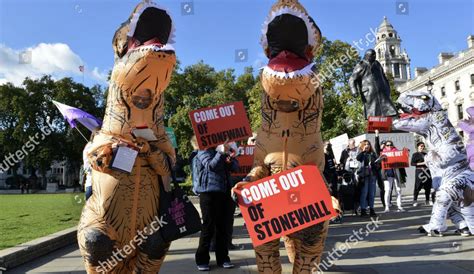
[378,148]
[422,175]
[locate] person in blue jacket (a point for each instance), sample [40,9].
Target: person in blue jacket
[213,184]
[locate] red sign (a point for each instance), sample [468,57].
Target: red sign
[245,159]
[284,203]
[213,126]
[383,124]
[396,159]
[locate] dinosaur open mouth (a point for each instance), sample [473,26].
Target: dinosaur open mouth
[151,28]
[413,113]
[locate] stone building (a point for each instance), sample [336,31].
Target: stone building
[453,81]
[393,59]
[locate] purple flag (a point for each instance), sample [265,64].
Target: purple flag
[74,115]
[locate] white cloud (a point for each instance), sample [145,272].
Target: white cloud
[56,59]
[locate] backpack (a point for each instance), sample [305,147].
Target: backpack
[196,174]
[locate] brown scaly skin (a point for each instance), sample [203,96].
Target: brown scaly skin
[290,136]
[124,204]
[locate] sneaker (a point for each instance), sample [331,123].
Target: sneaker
[386,210]
[422,230]
[415,204]
[400,209]
[232,246]
[372,213]
[434,233]
[203,267]
[431,203]
[227,265]
[463,232]
[363,213]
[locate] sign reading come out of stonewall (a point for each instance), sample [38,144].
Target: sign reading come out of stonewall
[216,125]
[284,203]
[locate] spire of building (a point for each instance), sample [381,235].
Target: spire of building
[389,53]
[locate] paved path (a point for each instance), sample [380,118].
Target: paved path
[393,247]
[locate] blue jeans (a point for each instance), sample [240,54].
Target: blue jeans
[368,189]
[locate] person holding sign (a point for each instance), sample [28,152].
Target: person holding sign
[213,187]
[367,176]
[393,177]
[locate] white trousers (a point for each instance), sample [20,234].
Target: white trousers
[388,187]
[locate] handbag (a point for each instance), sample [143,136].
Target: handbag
[178,213]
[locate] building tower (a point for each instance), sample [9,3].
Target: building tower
[390,55]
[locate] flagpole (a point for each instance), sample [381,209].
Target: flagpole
[87,140]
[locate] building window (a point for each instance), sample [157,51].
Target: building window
[460,112]
[396,70]
[457,86]
[443,91]
[392,50]
[472,79]
[390,34]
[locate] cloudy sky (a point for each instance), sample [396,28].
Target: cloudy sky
[55,37]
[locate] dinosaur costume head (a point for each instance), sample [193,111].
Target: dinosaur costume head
[144,56]
[290,38]
[416,106]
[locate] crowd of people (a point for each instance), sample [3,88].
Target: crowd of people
[355,178]
[353,181]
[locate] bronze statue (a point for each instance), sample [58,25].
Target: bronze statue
[368,80]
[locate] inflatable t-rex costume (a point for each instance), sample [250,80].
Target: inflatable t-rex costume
[121,215]
[467,125]
[446,159]
[290,134]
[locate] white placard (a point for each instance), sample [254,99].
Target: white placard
[339,143]
[124,159]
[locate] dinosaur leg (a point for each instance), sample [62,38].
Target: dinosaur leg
[268,257]
[309,246]
[468,215]
[97,249]
[448,193]
[151,254]
[455,215]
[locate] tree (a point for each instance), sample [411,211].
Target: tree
[342,113]
[28,116]
[199,86]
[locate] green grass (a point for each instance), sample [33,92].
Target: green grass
[29,216]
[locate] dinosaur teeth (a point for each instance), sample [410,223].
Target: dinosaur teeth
[289,75]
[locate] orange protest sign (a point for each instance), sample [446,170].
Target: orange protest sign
[383,124]
[214,125]
[284,203]
[396,159]
[245,160]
